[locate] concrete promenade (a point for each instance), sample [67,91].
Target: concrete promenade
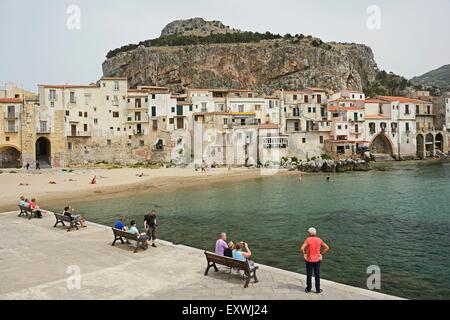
[35,257]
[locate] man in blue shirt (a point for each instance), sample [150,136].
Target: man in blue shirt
[120,224]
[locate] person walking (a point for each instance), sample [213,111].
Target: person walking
[313,255]
[27,166]
[38,165]
[150,226]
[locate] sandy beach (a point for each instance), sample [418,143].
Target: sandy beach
[75,185]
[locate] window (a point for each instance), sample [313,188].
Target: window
[67,113]
[306,99]
[80,114]
[116,85]
[339,127]
[85,114]
[118,129]
[52,104]
[304,140]
[52,94]
[383,126]
[407,127]
[115,114]
[142,143]
[173,109]
[107,98]
[428,109]
[72,97]
[137,103]
[417,109]
[146,99]
[190,108]
[153,96]
[380,109]
[7,139]
[372,127]
[95,121]
[153,111]
[87,99]
[319,99]
[309,109]
[294,97]
[394,126]
[241,108]
[108,142]
[69,146]
[171,121]
[406,108]
[85,127]
[321,139]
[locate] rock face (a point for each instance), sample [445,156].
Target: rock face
[196,27]
[288,63]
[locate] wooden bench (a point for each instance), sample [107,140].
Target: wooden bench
[213,260]
[120,235]
[60,218]
[25,211]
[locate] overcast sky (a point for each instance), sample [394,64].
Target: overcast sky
[38,47]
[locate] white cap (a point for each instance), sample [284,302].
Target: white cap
[312,231]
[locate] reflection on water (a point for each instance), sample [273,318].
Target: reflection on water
[396,217]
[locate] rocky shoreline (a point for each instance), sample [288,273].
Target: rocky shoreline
[321,165]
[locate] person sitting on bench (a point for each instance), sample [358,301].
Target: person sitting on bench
[35,209]
[120,224]
[246,255]
[23,202]
[141,236]
[76,218]
[228,252]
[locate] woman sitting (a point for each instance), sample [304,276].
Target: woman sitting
[75,218]
[228,252]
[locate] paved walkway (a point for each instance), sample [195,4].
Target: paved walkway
[34,260]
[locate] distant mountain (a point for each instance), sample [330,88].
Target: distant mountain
[437,78]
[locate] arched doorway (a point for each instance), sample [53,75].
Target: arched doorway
[381,145]
[439,142]
[429,145]
[420,147]
[10,157]
[43,151]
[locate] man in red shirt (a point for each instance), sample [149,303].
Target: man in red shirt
[311,250]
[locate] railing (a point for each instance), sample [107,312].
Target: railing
[11,129]
[275,142]
[143,118]
[81,134]
[11,115]
[141,132]
[42,130]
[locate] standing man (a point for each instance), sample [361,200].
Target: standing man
[150,226]
[28,166]
[221,244]
[38,165]
[311,250]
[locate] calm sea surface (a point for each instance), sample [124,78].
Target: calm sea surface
[396,217]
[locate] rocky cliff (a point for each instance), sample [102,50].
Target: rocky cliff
[196,27]
[289,62]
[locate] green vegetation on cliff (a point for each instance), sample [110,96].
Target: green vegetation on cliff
[386,84]
[187,40]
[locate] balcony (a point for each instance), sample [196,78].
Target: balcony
[275,142]
[80,134]
[11,115]
[11,129]
[141,132]
[141,119]
[43,130]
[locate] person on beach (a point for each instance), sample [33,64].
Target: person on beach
[38,165]
[78,218]
[228,252]
[221,244]
[94,180]
[313,255]
[141,236]
[150,226]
